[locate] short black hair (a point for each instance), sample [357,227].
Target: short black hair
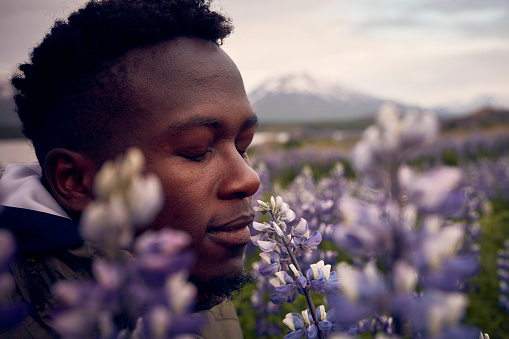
[70,92]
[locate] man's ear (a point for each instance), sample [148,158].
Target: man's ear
[70,176]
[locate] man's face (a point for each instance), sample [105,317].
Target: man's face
[194,125]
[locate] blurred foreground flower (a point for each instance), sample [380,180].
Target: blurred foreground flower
[143,295]
[407,265]
[10,314]
[125,198]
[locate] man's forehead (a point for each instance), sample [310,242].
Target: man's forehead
[183,84]
[189,58]
[183,67]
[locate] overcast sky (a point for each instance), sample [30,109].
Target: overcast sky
[425,52]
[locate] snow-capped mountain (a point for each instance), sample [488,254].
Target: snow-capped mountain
[299,98]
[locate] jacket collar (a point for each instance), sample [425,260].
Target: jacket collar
[21,187]
[28,210]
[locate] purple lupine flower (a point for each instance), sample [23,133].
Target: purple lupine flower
[308,243]
[286,290]
[434,192]
[362,231]
[322,279]
[272,258]
[296,324]
[304,326]
[300,326]
[503,276]
[400,227]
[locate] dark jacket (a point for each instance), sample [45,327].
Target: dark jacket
[50,249]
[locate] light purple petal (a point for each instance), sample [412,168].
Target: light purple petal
[266,246]
[260,226]
[314,240]
[301,228]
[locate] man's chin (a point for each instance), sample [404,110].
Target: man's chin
[215,290]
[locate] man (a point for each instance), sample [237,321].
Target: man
[148,74]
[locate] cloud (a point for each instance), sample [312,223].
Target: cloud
[473,18]
[463,5]
[411,50]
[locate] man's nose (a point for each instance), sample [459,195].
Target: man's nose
[239,180]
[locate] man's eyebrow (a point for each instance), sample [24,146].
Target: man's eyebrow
[193,122]
[199,121]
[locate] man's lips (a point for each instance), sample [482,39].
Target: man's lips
[233,233]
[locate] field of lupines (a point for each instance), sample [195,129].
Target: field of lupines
[403,237]
[412,230]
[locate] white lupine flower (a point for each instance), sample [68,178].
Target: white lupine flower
[288,321]
[321,270]
[145,199]
[262,204]
[294,270]
[261,226]
[306,316]
[320,313]
[125,198]
[99,220]
[390,126]
[432,224]
[131,164]
[405,277]
[272,204]
[355,282]
[278,230]
[388,116]
[288,215]
[349,280]
[281,276]
[419,128]
[441,245]
[362,156]
[315,267]
[275,282]
[444,309]
[302,228]
[105,182]
[181,293]
[279,202]
[159,322]
[326,271]
[266,246]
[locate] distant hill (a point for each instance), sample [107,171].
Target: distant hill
[9,122]
[302,98]
[8,116]
[484,117]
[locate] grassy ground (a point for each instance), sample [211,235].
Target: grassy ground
[483,294]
